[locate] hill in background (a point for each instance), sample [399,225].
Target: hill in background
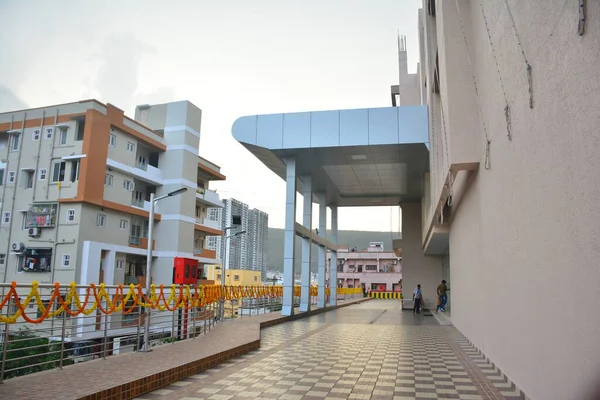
[358,239]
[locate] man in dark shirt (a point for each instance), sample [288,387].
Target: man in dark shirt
[417,298]
[442,291]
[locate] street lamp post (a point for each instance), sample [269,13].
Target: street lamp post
[153,201]
[226,265]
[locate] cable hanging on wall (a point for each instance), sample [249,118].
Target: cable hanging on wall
[529,70]
[487,138]
[581,25]
[506,106]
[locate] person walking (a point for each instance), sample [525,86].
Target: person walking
[417,297]
[442,291]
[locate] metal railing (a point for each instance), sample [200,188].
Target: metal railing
[49,326]
[141,165]
[137,202]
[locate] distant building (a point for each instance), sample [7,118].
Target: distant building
[247,251]
[257,235]
[234,277]
[372,268]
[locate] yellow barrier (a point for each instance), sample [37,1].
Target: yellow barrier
[349,290]
[125,299]
[385,295]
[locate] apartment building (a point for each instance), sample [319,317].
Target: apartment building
[258,235]
[247,251]
[372,268]
[75,185]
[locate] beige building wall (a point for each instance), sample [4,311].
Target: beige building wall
[524,231]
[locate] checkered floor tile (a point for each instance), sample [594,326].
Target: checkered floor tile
[368,351]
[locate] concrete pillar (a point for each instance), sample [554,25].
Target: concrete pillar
[289,237]
[334,258]
[416,267]
[322,256]
[306,244]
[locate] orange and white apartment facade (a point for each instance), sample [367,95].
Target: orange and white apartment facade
[75,184]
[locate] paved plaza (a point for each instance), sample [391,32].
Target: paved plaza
[372,350]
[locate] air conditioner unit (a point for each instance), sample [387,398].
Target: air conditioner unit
[34,232]
[17,246]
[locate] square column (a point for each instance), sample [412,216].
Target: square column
[287,308]
[322,255]
[306,244]
[334,257]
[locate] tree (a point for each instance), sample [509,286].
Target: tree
[28,353]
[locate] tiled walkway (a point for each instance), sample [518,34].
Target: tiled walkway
[368,351]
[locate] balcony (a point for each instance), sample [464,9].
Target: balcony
[142,204]
[141,171]
[142,166]
[41,216]
[205,253]
[208,222]
[209,197]
[140,242]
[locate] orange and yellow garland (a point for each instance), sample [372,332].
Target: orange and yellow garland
[125,299]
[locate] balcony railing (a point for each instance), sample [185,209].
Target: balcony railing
[208,222]
[134,240]
[209,196]
[142,166]
[137,202]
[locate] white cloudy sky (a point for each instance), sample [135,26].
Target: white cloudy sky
[230,57]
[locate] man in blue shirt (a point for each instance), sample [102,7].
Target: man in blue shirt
[417,297]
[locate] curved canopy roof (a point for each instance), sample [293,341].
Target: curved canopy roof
[360,157]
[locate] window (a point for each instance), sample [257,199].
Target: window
[255,278]
[130,146]
[75,170]
[124,224]
[340,268]
[35,135]
[2,259]
[42,174]
[28,179]
[370,267]
[112,140]
[101,220]
[1,177]
[236,277]
[80,130]
[66,260]
[108,180]
[128,185]
[62,138]
[6,217]
[15,143]
[120,264]
[58,174]
[12,176]
[70,215]
[48,133]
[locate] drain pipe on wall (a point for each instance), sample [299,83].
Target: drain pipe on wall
[56,243]
[12,121]
[49,170]
[37,158]
[14,195]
